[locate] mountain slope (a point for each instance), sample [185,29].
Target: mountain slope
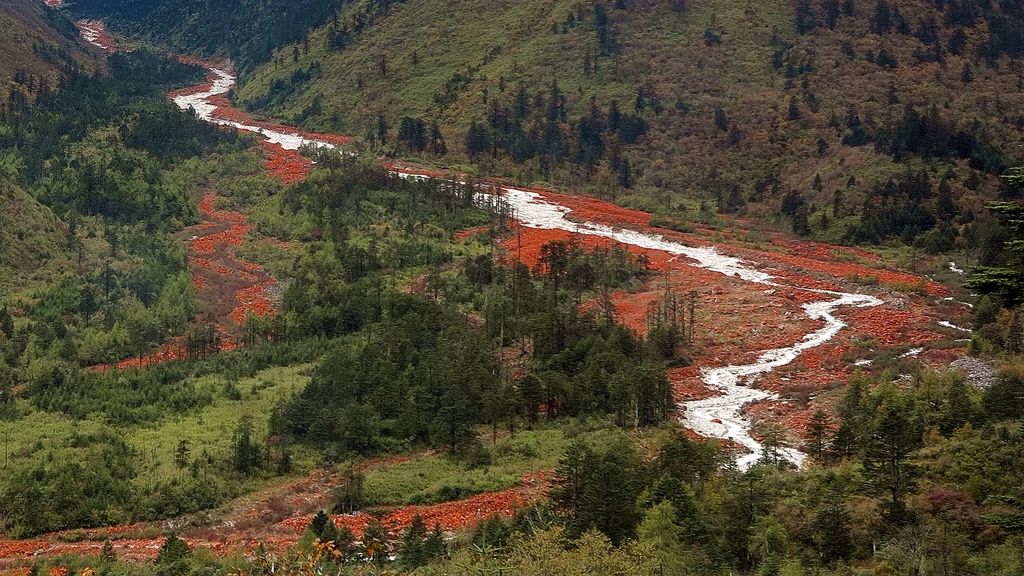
[246,30]
[38,44]
[744,102]
[31,237]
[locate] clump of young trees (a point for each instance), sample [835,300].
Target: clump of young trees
[537,127]
[420,372]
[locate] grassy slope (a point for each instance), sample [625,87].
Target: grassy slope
[31,237]
[510,39]
[27,24]
[684,156]
[42,436]
[423,479]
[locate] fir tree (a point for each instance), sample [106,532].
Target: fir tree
[886,459]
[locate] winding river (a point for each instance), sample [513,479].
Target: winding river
[718,416]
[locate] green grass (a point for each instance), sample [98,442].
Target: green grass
[429,479]
[684,158]
[32,245]
[211,428]
[488,41]
[40,437]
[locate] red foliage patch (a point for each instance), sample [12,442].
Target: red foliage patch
[253,300]
[288,166]
[450,516]
[463,235]
[892,327]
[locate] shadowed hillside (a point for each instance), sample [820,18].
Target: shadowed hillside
[38,46]
[248,30]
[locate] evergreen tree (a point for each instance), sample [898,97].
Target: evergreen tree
[349,497]
[181,454]
[173,550]
[1007,278]
[323,528]
[818,428]
[721,120]
[375,543]
[245,451]
[6,322]
[435,546]
[832,530]
[886,463]
[411,551]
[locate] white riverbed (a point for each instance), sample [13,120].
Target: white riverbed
[719,416]
[222,84]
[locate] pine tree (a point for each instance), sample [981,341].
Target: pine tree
[832,530]
[721,120]
[349,497]
[435,546]
[819,425]
[6,322]
[531,394]
[181,454]
[886,459]
[173,550]
[323,528]
[318,523]
[1007,278]
[246,452]
[411,550]
[375,543]
[571,475]
[107,553]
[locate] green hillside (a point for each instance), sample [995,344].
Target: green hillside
[31,237]
[743,102]
[40,47]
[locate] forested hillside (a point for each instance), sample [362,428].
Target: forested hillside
[800,111]
[39,48]
[247,31]
[30,234]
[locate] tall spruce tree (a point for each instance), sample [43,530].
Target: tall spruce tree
[1007,278]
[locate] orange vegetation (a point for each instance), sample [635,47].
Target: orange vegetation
[737,321]
[288,166]
[451,516]
[229,288]
[468,233]
[239,535]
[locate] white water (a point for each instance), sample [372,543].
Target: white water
[954,269]
[222,85]
[948,324]
[719,416]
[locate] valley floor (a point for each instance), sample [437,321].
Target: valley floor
[736,322]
